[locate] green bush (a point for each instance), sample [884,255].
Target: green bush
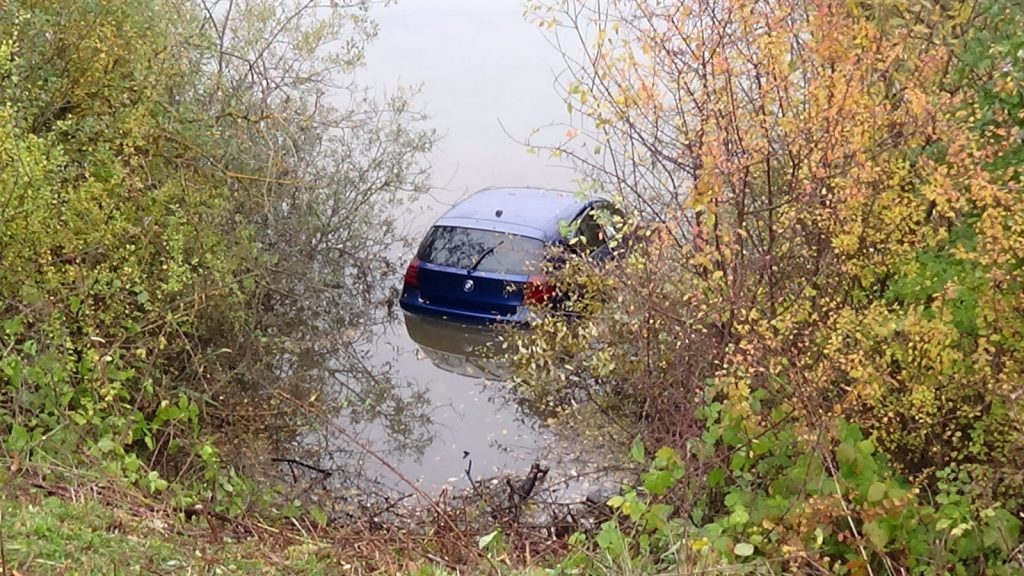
[182,215]
[112,243]
[777,503]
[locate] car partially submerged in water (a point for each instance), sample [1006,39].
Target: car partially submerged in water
[483,260]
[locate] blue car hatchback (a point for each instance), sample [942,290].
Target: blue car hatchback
[481,262]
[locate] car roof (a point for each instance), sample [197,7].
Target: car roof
[531,212]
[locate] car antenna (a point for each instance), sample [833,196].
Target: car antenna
[498,213]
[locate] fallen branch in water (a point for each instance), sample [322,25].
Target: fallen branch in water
[441,513]
[291,461]
[518,495]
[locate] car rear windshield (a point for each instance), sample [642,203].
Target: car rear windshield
[498,252]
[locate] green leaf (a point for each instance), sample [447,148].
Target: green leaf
[611,539]
[156,483]
[486,539]
[744,549]
[13,326]
[895,492]
[18,438]
[637,452]
[739,516]
[722,543]
[105,444]
[739,462]
[846,454]
[319,516]
[661,511]
[31,295]
[877,534]
[877,492]
[866,447]
[665,456]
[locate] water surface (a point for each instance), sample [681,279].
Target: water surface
[487,80]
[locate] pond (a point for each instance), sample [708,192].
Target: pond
[475,425]
[442,412]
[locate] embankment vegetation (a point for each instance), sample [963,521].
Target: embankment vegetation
[822,344]
[194,198]
[826,331]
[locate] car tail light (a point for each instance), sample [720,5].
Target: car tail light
[412,274]
[537,290]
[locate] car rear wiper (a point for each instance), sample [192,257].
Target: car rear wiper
[483,255]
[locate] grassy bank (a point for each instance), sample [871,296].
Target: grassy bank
[63,529]
[96,528]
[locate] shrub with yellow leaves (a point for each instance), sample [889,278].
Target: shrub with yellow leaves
[842,182]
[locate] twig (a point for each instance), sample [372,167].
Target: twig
[475,486]
[291,461]
[1018,555]
[3,551]
[198,510]
[442,561]
[849,515]
[394,504]
[373,454]
[493,564]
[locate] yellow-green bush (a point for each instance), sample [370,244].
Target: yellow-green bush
[179,210]
[840,179]
[111,242]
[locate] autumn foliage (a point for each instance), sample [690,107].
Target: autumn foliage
[842,183]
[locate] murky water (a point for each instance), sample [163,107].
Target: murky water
[472,414]
[487,78]
[488,81]
[473,423]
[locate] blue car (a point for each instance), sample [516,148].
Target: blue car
[481,262]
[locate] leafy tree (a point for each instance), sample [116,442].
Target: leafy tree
[191,195]
[839,202]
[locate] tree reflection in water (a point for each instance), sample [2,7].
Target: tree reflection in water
[340,375]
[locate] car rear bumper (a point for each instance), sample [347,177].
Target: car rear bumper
[410,302]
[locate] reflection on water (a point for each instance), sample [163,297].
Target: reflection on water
[460,416]
[427,397]
[470,351]
[467,413]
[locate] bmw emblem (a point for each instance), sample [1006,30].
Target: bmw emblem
[468,286]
